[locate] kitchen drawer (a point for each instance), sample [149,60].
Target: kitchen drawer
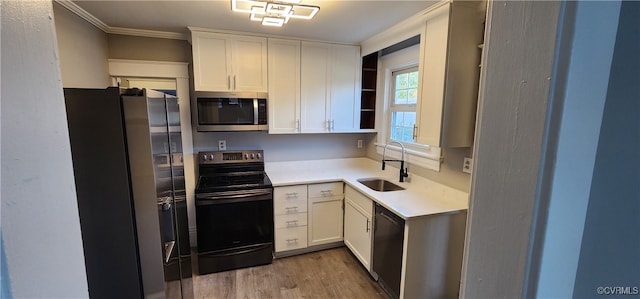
[289,206]
[326,190]
[290,193]
[360,200]
[289,200]
[291,238]
[290,220]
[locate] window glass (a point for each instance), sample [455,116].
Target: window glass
[403,107]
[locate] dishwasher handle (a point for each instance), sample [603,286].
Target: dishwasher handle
[389,218]
[388,215]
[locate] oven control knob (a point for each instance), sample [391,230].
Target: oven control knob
[246,156]
[204,157]
[253,156]
[258,155]
[211,157]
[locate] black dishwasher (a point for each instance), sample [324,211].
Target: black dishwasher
[388,239]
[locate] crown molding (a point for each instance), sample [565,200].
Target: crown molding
[79,11]
[233,32]
[408,28]
[147,33]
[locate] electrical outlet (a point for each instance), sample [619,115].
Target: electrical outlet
[360,142]
[467,165]
[222,145]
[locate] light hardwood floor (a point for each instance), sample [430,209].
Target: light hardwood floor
[333,273]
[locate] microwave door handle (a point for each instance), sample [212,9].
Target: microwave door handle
[255,111]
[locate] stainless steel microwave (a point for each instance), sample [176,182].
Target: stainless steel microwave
[230,111]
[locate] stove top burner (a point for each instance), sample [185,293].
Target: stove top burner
[220,173]
[232,182]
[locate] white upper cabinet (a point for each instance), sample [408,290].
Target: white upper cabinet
[284,86]
[225,62]
[329,80]
[345,88]
[315,87]
[449,72]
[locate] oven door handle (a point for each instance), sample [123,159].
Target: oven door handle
[222,198]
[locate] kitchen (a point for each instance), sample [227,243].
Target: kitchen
[229,140]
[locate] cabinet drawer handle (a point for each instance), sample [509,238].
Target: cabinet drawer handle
[294,240]
[326,192]
[292,223]
[292,194]
[289,209]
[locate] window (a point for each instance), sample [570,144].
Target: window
[404,97]
[401,99]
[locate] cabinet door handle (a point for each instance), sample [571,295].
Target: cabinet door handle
[298,125]
[234,82]
[333,124]
[229,82]
[368,228]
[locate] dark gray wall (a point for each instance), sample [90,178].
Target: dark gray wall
[610,252]
[82,49]
[148,48]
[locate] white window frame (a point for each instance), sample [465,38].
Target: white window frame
[417,154]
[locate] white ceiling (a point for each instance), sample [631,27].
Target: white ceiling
[347,21]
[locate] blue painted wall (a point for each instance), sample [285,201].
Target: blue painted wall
[586,86]
[610,251]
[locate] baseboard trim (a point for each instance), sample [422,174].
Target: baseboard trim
[308,249]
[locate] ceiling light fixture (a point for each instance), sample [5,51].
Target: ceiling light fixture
[274,13]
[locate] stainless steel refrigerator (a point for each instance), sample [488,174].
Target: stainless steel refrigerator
[127,156]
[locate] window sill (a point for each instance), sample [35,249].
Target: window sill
[429,158]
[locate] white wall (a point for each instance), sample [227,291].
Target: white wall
[40,222]
[517,65]
[83,51]
[286,147]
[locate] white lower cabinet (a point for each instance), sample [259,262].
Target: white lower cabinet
[325,213]
[307,216]
[290,217]
[358,226]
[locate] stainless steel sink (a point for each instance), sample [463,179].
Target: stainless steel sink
[380,185]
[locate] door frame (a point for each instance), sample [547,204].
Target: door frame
[180,72]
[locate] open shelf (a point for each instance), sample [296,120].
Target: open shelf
[368,91]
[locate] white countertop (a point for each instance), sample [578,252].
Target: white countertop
[421,197]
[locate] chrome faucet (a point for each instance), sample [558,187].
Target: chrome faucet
[403,171]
